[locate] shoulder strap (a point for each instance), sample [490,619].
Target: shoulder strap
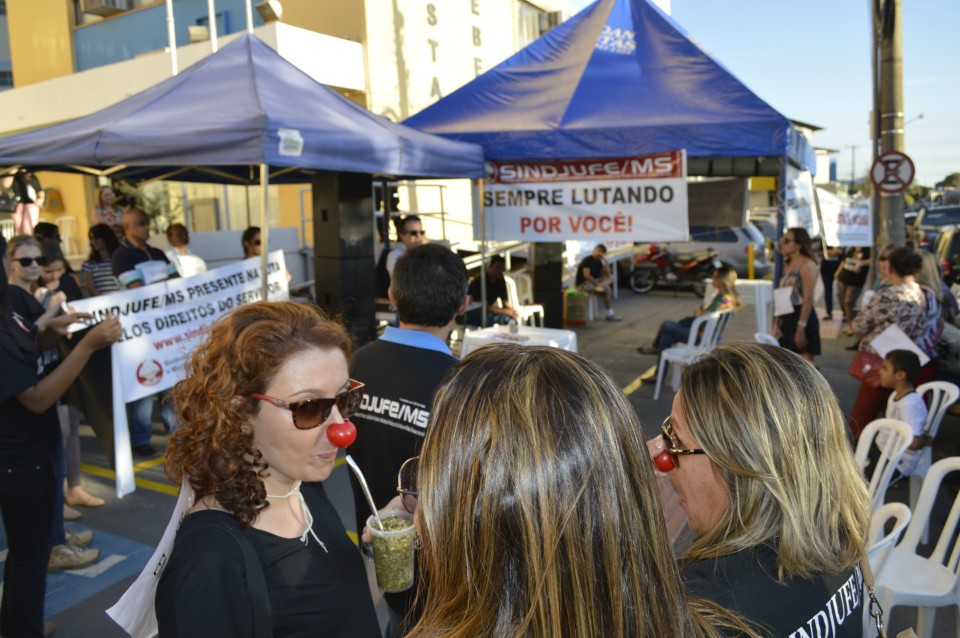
[262,619]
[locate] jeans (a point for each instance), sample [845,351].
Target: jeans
[672,332]
[140,418]
[27,497]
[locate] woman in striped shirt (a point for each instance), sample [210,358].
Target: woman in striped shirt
[98,268]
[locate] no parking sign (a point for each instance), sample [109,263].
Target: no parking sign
[892,172]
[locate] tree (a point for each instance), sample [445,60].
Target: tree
[950,181]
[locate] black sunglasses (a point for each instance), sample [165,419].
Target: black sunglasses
[313,412]
[27,261]
[255,242]
[407,484]
[673,446]
[416,232]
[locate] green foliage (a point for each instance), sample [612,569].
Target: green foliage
[950,181]
[153,199]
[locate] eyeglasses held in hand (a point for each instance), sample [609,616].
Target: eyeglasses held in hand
[27,261]
[313,412]
[674,451]
[407,484]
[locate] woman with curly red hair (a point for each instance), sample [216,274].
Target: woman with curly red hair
[260,397]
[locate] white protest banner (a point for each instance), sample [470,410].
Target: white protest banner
[845,223]
[161,324]
[800,212]
[627,199]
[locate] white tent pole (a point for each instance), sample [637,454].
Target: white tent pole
[172,38]
[249,7]
[212,21]
[483,252]
[264,228]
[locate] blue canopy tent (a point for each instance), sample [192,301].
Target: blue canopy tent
[225,116]
[243,115]
[618,78]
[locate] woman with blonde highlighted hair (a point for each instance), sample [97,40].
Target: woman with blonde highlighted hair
[764,469]
[538,511]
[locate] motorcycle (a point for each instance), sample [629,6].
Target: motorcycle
[660,265]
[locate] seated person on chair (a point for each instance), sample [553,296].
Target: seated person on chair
[671,332]
[499,309]
[594,275]
[899,369]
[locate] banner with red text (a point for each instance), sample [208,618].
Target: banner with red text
[845,223]
[619,199]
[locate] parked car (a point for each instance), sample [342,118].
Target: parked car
[731,244]
[946,247]
[930,220]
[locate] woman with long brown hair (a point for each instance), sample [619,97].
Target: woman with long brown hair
[799,331]
[260,404]
[537,508]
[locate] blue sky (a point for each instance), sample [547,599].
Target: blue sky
[811,61]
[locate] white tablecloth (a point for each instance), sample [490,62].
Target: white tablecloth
[527,335]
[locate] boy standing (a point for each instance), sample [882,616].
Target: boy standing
[897,373]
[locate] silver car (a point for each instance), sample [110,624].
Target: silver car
[731,243]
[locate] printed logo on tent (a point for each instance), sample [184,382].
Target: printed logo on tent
[150,372]
[622,41]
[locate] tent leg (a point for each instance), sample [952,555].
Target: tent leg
[264,229]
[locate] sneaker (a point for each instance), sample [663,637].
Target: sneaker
[70,557]
[144,451]
[76,537]
[614,318]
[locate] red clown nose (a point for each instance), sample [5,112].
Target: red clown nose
[342,434]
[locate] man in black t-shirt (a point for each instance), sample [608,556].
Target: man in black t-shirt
[499,308]
[136,264]
[402,370]
[594,275]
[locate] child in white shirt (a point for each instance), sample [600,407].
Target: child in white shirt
[897,373]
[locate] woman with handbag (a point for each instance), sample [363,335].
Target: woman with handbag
[902,303]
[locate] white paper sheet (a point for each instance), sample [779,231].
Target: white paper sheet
[893,338]
[782,304]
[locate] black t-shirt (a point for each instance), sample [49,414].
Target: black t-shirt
[391,422]
[126,258]
[26,438]
[202,591]
[848,274]
[26,305]
[827,605]
[495,290]
[595,265]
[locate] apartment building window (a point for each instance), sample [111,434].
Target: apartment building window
[528,23]
[6,80]
[3,7]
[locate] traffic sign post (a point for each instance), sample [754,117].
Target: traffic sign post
[892,172]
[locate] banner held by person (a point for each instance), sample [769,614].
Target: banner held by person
[628,199]
[162,324]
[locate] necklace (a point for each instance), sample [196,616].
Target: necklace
[307,516]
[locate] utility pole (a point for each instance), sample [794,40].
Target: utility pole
[888,111]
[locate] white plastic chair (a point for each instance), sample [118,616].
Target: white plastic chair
[528,312]
[899,437]
[7,228]
[914,580]
[879,545]
[942,394]
[763,337]
[703,338]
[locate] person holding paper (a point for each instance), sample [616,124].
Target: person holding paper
[799,331]
[136,264]
[903,303]
[180,255]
